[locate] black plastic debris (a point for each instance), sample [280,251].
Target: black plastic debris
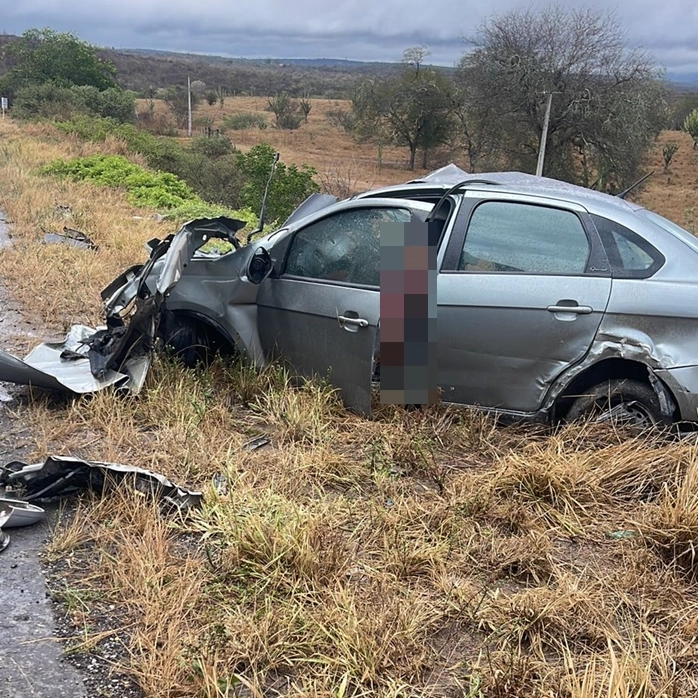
[70,236]
[255,444]
[65,475]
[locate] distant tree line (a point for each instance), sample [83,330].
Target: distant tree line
[608,102]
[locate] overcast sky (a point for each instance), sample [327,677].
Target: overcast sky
[357,29]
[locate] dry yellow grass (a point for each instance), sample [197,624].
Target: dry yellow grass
[419,553]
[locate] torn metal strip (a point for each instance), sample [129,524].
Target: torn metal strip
[65,475]
[66,366]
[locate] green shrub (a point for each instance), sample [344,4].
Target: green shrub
[158,189]
[212,146]
[47,101]
[238,122]
[210,167]
[289,187]
[51,101]
[161,190]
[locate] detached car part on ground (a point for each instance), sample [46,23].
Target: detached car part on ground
[554,301]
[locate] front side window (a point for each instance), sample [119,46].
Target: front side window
[344,247]
[514,237]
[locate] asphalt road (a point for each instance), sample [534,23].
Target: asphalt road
[31,662]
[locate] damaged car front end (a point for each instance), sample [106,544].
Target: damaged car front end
[119,353]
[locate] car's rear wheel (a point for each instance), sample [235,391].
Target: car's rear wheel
[621,400]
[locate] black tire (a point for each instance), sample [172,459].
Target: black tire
[635,403]
[192,341]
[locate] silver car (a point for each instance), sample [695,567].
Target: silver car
[554,301]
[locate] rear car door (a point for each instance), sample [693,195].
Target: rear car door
[522,290]
[320,313]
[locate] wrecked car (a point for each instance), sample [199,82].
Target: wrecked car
[554,300]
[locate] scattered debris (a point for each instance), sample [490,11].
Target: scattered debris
[4,538]
[68,365]
[65,475]
[255,444]
[621,535]
[73,237]
[120,352]
[15,513]
[219,483]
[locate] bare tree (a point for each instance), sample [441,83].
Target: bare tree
[414,57]
[177,100]
[305,105]
[609,102]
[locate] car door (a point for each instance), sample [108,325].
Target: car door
[521,293]
[320,314]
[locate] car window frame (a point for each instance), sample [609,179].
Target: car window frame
[415,215]
[597,261]
[611,247]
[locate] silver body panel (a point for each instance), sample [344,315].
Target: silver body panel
[512,342]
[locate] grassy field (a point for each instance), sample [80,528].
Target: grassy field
[419,553]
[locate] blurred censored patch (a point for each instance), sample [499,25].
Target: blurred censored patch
[407,328]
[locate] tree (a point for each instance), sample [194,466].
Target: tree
[305,105]
[412,108]
[608,102]
[42,56]
[177,99]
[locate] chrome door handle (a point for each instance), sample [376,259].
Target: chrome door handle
[353,321]
[578,309]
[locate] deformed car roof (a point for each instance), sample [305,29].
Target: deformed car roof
[510,182]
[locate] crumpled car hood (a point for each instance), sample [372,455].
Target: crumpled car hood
[119,354]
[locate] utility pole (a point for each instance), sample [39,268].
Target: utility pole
[544,135]
[189,104]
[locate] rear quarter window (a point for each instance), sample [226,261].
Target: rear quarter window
[629,254]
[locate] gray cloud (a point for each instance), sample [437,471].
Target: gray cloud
[358,29]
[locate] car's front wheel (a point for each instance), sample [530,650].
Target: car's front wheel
[622,400]
[191,340]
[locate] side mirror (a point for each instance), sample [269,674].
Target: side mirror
[259,266]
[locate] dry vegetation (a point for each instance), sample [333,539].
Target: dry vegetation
[425,552]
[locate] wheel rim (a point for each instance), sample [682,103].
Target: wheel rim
[631,413]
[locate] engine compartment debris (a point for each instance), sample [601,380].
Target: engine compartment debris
[66,475]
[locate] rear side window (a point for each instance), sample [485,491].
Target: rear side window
[524,238]
[344,247]
[630,256]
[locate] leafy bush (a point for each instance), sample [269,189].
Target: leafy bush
[668,152]
[212,146]
[342,118]
[289,187]
[52,101]
[211,167]
[238,122]
[287,111]
[159,189]
[690,125]
[47,101]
